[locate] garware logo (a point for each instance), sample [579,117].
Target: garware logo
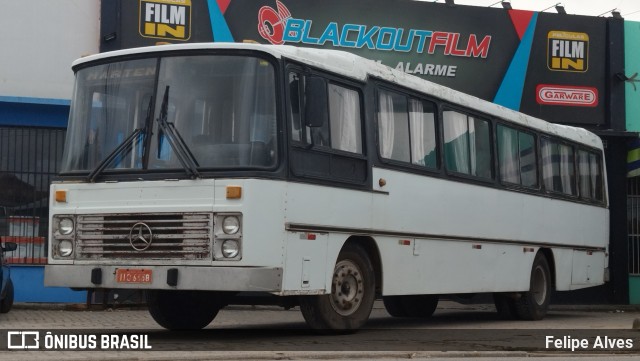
[165,19]
[575,96]
[279,27]
[567,51]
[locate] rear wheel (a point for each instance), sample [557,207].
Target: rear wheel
[393,305]
[348,306]
[183,310]
[534,303]
[506,306]
[7,301]
[421,306]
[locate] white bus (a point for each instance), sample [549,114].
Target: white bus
[204,173]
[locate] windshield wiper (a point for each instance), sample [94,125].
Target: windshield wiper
[148,124]
[186,158]
[126,144]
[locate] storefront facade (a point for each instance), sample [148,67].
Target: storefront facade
[35,95]
[568,69]
[563,68]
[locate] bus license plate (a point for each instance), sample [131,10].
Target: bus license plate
[133,275]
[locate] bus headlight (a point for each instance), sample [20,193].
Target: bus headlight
[65,226]
[230,248]
[230,225]
[65,248]
[228,233]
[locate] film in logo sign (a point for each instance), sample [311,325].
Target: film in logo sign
[165,19]
[567,51]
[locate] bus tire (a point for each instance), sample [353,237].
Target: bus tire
[506,306]
[7,301]
[393,305]
[534,303]
[182,310]
[348,306]
[420,306]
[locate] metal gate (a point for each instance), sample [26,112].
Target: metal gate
[633,224]
[633,227]
[29,159]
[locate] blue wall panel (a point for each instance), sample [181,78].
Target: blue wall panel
[34,112]
[28,282]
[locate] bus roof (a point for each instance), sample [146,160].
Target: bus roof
[360,69]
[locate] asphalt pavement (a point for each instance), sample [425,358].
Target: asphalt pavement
[271,333]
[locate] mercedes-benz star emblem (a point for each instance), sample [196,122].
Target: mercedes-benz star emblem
[140,236]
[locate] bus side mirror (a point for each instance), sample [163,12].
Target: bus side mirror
[9,247]
[316,110]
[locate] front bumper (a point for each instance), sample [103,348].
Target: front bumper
[265,279]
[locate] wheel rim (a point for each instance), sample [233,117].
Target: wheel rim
[539,286]
[347,288]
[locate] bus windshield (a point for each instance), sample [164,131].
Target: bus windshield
[173,113]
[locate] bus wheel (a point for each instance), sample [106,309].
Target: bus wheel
[182,310]
[506,306]
[348,306]
[534,303]
[422,306]
[393,305]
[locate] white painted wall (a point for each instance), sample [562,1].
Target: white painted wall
[39,41]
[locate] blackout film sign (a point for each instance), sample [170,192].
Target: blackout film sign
[568,51]
[543,64]
[165,19]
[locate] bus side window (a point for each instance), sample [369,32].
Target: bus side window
[342,131]
[567,169]
[422,125]
[393,126]
[597,181]
[300,132]
[406,129]
[557,167]
[589,176]
[344,118]
[467,147]
[517,157]
[295,106]
[528,164]
[315,115]
[480,147]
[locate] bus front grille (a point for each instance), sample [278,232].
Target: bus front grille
[173,236]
